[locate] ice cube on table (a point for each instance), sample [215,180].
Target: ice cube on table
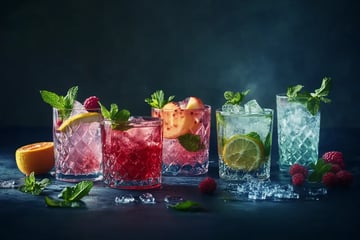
[253,106]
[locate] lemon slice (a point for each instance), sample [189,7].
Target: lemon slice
[81,117]
[242,152]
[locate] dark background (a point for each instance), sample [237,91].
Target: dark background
[124,50]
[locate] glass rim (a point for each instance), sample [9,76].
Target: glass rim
[267,111]
[206,107]
[141,121]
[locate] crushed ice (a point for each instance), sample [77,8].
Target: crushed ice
[7,184]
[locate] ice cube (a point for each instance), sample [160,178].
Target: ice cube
[78,108]
[173,199]
[253,106]
[124,199]
[147,198]
[7,184]
[229,108]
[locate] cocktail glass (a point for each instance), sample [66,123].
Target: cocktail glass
[133,153]
[77,144]
[186,140]
[244,142]
[298,133]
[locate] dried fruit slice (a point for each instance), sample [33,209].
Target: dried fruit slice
[242,152]
[81,117]
[36,157]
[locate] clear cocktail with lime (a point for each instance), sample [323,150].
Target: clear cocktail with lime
[77,130]
[186,134]
[244,135]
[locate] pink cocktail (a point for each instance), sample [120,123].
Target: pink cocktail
[133,153]
[77,145]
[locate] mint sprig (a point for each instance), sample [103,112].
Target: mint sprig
[235,98]
[189,206]
[32,186]
[71,196]
[310,100]
[119,119]
[191,142]
[158,100]
[63,103]
[318,170]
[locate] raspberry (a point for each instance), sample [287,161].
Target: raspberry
[298,179]
[344,178]
[91,103]
[334,157]
[208,185]
[297,168]
[335,168]
[329,179]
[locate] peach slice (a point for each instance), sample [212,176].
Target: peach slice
[194,103]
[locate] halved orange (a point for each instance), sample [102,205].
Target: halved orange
[35,157]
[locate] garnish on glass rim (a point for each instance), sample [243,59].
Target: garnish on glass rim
[310,100]
[235,98]
[63,103]
[118,118]
[158,100]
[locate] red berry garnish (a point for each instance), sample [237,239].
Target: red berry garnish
[297,168]
[91,103]
[335,168]
[334,157]
[344,178]
[329,179]
[208,185]
[298,179]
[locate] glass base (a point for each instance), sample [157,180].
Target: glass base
[78,178]
[133,184]
[185,170]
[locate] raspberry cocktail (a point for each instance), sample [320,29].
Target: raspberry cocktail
[77,136]
[186,134]
[132,152]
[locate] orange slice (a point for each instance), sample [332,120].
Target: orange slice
[36,157]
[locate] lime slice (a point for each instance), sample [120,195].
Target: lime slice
[80,118]
[242,152]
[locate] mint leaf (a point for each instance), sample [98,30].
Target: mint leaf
[319,169]
[119,119]
[71,196]
[311,100]
[32,186]
[267,144]
[63,103]
[158,100]
[191,142]
[187,206]
[235,98]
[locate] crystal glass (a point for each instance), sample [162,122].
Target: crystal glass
[133,153]
[186,143]
[298,133]
[244,144]
[77,145]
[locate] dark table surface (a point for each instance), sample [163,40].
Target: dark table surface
[332,216]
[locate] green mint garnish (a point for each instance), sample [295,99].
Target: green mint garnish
[119,119]
[32,186]
[235,98]
[191,142]
[310,100]
[63,103]
[158,100]
[187,205]
[71,196]
[319,169]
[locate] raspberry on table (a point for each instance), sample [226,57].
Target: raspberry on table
[329,179]
[298,179]
[334,157]
[335,167]
[208,185]
[344,178]
[91,103]
[297,168]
